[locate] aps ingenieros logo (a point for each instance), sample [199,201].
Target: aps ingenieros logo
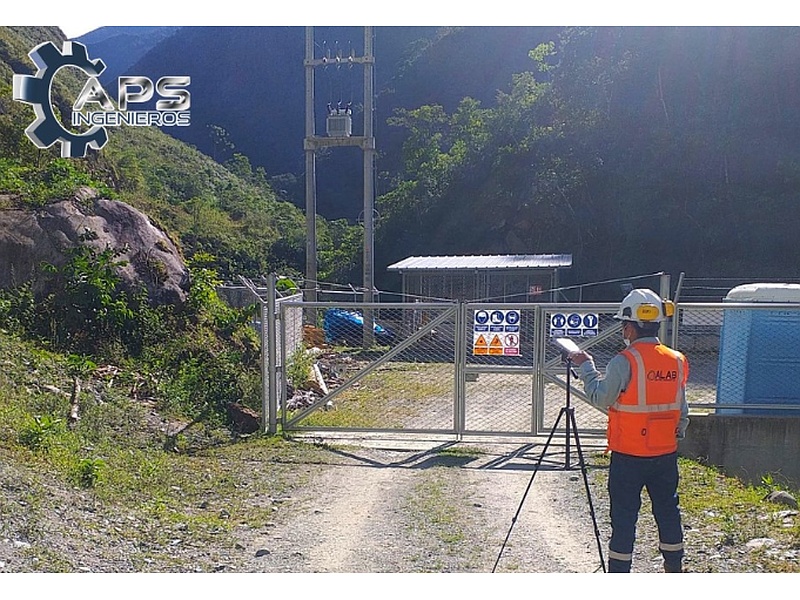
[171,109]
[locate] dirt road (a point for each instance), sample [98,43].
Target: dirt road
[431,509]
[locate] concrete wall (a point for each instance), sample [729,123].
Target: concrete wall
[746,446]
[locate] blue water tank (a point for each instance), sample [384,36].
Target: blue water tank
[760,351]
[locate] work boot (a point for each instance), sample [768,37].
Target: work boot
[619,566]
[673,568]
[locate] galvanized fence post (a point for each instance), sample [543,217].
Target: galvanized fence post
[271,424]
[537,393]
[460,348]
[664,289]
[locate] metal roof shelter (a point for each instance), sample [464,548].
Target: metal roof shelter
[507,277]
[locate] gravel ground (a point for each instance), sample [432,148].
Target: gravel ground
[364,507]
[401,510]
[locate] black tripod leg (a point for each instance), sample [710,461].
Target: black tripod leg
[586,485]
[527,489]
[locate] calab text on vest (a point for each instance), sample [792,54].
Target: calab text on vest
[662,375]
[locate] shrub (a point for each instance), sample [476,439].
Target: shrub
[40,432]
[88,471]
[298,369]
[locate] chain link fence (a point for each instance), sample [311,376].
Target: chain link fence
[741,356]
[401,378]
[603,341]
[489,368]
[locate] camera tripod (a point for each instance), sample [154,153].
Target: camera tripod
[571,429]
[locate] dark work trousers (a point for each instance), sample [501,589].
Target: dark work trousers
[626,478]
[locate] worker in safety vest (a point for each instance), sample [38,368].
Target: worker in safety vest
[644,390]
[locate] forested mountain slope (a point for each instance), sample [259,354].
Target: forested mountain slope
[250,83]
[229,212]
[636,149]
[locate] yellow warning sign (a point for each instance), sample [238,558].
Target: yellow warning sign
[480,346]
[496,345]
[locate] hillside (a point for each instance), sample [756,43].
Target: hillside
[636,149]
[251,82]
[121,47]
[122,492]
[119,451]
[230,212]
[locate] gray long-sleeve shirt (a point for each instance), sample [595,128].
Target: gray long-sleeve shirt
[603,390]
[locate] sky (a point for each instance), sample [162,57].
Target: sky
[76,22]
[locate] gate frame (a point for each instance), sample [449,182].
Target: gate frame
[448,309]
[541,370]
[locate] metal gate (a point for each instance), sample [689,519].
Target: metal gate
[446,368]
[404,381]
[427,369]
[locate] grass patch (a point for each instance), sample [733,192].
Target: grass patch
[388,398]
[740,511]
[437,518]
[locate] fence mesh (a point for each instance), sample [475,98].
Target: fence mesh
[740,357]
[492,368]
[402,380]
[498,368]
[602,341]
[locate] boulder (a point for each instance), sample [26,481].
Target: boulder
[29,238]
[245,420]
[782,497]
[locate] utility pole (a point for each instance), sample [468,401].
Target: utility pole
[339,135]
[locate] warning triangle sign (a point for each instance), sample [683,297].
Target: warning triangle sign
[480,346]
[496,342]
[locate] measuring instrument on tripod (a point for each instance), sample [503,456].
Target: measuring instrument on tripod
[568,348]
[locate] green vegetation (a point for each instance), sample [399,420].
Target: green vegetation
[735,512]
[228,211]
[298,368]
[109,399]
[438,520]
[128,458]
[193,361]
[614,140]
[736,509]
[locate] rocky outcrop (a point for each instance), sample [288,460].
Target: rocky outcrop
[30,238]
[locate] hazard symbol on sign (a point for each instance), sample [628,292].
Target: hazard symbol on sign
[480,346]
[496,332]
[496,346]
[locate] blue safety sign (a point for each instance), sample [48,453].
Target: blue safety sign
[496,333]
[574,325]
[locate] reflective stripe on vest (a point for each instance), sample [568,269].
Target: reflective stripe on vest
[639,427]
[641,391]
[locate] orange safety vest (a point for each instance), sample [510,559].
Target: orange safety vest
[644,419]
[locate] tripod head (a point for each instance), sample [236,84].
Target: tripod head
[567,347]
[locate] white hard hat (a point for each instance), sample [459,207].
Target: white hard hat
[644,306]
